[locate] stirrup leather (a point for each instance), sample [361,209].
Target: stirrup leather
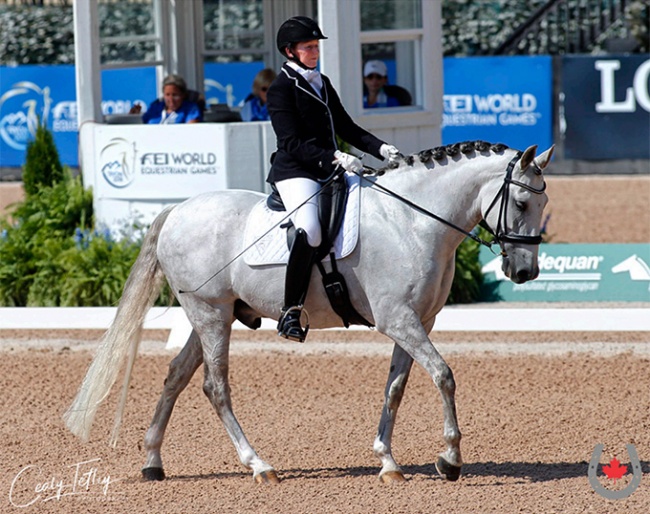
[289,325]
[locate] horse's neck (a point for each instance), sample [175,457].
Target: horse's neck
[452,191]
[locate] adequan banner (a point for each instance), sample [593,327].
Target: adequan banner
[575,273]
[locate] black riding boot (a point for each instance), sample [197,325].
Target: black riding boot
[301,259]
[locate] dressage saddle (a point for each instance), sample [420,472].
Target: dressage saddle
[332,200]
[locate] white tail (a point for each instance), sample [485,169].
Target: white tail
[140,291]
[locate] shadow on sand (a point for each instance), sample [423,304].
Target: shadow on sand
[528,471]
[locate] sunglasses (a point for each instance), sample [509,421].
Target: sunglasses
[264,89]
[374,76]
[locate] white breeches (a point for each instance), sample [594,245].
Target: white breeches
[294,192]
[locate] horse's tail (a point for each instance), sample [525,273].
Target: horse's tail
[140,291]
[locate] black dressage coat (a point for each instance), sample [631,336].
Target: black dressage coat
[306,125]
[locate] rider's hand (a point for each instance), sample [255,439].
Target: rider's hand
[388,152]
[347,162]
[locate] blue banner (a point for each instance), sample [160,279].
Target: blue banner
[606,104]
[48,93]
[499,99]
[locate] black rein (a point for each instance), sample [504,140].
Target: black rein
[500,234]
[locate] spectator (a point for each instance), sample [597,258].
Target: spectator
[255,108]
[173,107]
[377,92]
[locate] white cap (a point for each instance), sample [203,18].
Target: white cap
[377,67]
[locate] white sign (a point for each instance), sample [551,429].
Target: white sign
[158,162]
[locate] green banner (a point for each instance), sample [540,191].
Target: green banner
[575,273]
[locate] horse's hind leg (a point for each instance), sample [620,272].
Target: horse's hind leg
[400,367]
[216,343]
[181,370]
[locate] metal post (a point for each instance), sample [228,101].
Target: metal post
[87,61]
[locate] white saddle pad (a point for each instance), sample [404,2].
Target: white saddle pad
[268,242]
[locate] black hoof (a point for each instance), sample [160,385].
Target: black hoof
[153,474]
[447,471]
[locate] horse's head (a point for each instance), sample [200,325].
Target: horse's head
[515,214]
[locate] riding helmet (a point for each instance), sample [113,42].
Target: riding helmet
[297,30]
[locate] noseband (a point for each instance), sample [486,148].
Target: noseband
[501,233]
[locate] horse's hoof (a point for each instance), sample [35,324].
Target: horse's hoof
[153,474]
[267,477]
[392,477]
[447,471]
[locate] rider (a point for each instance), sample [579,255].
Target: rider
[307,116]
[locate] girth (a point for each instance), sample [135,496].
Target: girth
[332,200]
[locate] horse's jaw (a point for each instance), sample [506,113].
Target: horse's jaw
[520,265]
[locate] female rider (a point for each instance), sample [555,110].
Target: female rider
[307,115]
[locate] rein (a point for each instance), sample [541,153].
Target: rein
[504,193]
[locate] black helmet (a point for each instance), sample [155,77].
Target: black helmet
[297,30]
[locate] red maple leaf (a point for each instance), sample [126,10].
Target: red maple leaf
[614,470]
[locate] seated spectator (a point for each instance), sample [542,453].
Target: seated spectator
[173,107]
[377,92]
[254,108]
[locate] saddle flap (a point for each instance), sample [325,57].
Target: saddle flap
[266,240]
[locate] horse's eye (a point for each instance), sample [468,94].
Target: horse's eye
[521,206]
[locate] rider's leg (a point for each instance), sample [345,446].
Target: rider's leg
[295,192]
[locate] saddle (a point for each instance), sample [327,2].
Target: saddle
[332,200]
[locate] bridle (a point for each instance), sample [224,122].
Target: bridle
[501,233]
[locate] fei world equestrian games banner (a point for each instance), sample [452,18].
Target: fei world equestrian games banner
[498,99]
[575,273]
[606,106]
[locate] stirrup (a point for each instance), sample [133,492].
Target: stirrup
[289,324]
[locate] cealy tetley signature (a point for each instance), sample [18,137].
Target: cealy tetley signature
[31,485]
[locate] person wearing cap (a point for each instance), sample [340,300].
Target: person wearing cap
[307,116]
[375,77]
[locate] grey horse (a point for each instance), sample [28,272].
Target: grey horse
[399,276]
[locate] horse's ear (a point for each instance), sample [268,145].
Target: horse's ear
[528,157]
[544,158]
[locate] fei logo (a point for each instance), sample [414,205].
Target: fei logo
[615,471]
[20,108]
[117,162]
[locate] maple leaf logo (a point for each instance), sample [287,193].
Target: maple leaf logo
[614,470]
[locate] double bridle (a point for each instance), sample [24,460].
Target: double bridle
[501,233]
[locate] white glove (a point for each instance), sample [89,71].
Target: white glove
[388,152]
[347,161]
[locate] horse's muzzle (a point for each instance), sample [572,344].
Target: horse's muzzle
[521,275]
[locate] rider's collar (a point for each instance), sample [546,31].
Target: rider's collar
[312,76]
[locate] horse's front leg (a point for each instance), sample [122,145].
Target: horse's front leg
[413,338]
[400,367]
[181,370]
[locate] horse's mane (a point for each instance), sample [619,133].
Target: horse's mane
[439,153]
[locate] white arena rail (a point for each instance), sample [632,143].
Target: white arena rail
[451,318]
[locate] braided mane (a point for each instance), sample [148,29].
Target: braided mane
[439,153]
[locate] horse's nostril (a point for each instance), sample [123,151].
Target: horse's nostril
[523,276]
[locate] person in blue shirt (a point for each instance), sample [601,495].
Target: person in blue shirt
[254,108]
[173,107]
[376,92]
